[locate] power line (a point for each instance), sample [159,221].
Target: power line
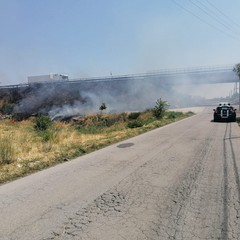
[219,16]
[213,15]
[224,15]
[206,22]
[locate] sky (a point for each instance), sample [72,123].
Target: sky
[92,38]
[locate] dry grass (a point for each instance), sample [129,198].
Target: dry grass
[29,152]
[2,102]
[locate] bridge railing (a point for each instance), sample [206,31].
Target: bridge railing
[157,73]
[162,72]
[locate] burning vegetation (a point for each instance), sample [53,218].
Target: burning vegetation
[38,142]
[66,100]
[60,121]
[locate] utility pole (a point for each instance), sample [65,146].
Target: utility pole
[236,69]
[239,93]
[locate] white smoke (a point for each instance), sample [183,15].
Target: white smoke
[119,95]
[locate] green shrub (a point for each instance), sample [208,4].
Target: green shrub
[109,121]
[99,121]
[134,115]
[189,113]
[80,150]
[160,108]
[47,135]
[134,124]
[88,130]
[42,123]
[173,115]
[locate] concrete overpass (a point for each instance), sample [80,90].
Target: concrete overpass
[199,75]
[141,90]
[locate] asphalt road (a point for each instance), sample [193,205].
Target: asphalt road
[177,182]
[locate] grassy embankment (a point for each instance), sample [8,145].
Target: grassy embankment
[25,149]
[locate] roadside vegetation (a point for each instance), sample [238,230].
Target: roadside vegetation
[37,143]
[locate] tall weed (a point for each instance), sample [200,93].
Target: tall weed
[42,123]
[6,150]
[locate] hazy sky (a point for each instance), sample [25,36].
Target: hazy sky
[85,38]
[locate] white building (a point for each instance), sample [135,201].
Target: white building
[47,78]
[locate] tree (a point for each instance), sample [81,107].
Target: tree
[160,108]
[103,107]
[236,69]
